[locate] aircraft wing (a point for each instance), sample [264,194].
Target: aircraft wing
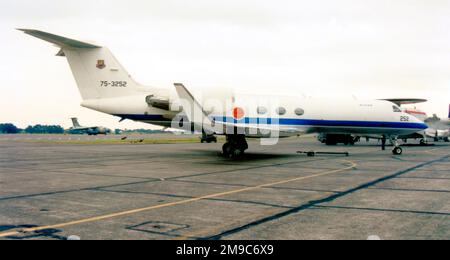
[406,101]
[199,117]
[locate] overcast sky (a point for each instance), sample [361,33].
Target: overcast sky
[364,48]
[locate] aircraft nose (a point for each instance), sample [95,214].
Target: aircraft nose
[420,124]
[424,126]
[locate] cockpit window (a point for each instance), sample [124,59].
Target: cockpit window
[396,109]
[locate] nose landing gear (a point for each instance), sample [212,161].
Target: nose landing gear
[397,149]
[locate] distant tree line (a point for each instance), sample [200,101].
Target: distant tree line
[9,129]
[37,129]
[44,129]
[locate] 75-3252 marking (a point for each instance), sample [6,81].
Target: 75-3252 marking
[114,84]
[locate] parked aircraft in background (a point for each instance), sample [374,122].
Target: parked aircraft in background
[90,130]
[439,129]
[442,123]
[106,86]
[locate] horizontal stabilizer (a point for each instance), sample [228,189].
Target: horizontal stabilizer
[59,40]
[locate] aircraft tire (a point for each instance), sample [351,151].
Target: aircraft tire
[397,151]
[237,153]
[227,149]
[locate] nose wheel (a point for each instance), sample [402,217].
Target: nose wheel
[397,149]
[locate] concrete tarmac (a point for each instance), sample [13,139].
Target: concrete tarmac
[188,191]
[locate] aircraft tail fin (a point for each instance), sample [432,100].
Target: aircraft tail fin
[75,122]
[97,72]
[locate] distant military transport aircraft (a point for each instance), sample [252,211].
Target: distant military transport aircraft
[105,86]
[89,130]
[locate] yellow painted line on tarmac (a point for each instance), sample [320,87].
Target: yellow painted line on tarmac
[140,210]
[265,213]
[230,225]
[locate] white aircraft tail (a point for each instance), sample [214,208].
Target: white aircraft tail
[75,122]
[97,72]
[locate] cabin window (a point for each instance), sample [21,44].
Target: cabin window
[396,109]
[281,111]
[262,110]
[299,112]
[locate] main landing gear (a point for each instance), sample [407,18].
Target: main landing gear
[235,146]
[397,149]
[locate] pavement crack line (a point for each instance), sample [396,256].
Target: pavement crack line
[387,210]
[153,180]
[321,201]
[351,166]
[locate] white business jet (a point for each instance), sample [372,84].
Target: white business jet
[105,86]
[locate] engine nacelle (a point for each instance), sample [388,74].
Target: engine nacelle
[334,139]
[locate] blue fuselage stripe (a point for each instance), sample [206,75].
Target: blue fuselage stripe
[294,122]
[322,123]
